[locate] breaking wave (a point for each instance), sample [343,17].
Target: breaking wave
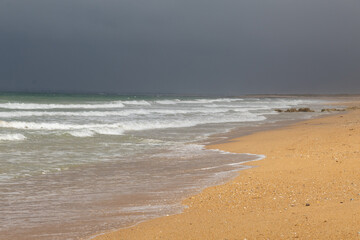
[115,104]
[198,101]
[12,137]
[83,130]
[14,114]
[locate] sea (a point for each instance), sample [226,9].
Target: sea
[76,165]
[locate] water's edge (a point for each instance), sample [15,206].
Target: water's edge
[220,138]
[94,165]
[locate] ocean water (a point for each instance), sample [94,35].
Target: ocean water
[73,165]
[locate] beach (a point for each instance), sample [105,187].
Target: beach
[202,120]
[307,187]
[75,165]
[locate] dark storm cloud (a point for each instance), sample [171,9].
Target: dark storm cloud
[198,46]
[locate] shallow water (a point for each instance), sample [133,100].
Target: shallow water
[72,166]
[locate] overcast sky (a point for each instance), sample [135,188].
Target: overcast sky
[180,46]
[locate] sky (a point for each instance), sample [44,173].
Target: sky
[226,47]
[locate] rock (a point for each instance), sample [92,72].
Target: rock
[305,110]
[332,110]
[295,110]
[291,110]
[308,204]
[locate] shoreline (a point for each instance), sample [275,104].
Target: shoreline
[126,190]
[275,122]
[198,221]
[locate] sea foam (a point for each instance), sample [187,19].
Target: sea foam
[198,101]
[12,137]
[17,114]
[11,105]
[129,125]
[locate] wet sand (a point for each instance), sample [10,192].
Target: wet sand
[307,187]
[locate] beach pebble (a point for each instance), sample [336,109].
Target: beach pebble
[308,204]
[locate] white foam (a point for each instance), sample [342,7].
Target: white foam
[99,130]
[147,125]
[199,101]
[258,157]
[73,114]
[82,133]
[109,130]
[54,126]
[137,102]
[124,112]
[14,105]
[133,125]
[12,137]
[221,151]
[145,208]
[112,104]
[168,102]
[135,115]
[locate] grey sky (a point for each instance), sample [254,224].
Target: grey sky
[183,46]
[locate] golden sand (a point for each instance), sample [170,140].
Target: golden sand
[307,187]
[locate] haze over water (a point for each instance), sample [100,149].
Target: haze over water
[73,165]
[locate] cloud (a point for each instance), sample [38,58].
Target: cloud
[198,46]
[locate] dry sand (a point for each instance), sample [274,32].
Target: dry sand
[307,187]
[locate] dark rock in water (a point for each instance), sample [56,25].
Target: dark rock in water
[294,110]
[305,110]
[332,110]
[291,110]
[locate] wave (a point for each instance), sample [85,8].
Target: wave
[115,104]
[168,102]
[121,104]
[119,128]
[12,137]
[256,158]
[179,123]
[54,126]
[82,133]
[161,124]
[199,101]
[137,102]
[265,105]
[124,112]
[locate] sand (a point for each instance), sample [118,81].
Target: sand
[307,187]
